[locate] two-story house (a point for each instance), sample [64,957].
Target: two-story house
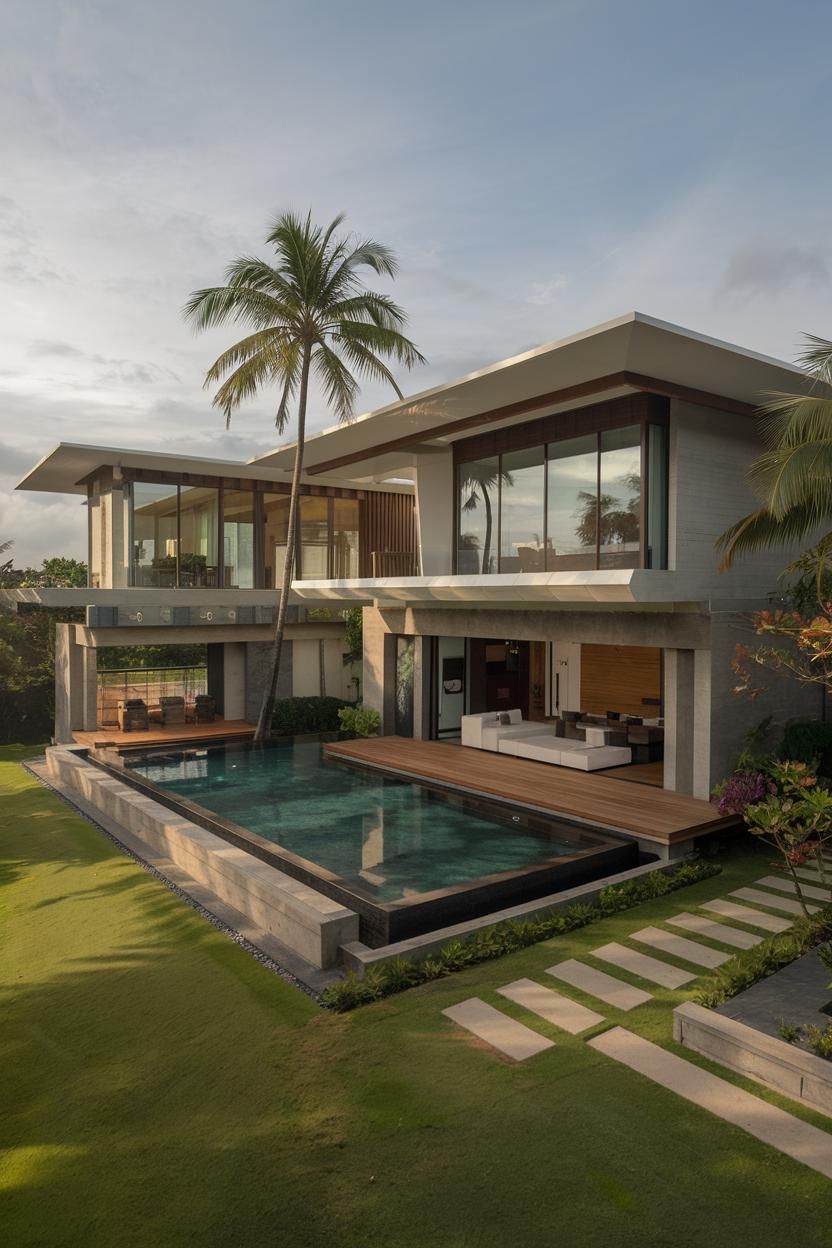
[568,501]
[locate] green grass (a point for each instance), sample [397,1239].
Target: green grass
[163,1089]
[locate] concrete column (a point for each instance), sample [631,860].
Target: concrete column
[703,779]
[679,720]
[118,537]
[89,687]
[234,680]
[69,676]
[372,683]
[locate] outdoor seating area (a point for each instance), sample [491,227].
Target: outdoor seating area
[583,742]
[134,714]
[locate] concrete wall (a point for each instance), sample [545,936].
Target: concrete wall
[257,666]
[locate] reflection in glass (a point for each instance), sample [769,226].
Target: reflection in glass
[276,509]
[405,667]
[477,490]
[522,511]
[344,538]
[238,538]
[154,534]
[620,498]
[198,536]
[314,539]
[572,503]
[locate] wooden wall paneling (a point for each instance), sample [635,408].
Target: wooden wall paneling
[619,678]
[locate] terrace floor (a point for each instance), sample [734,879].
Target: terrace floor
[167,734]
[651,813]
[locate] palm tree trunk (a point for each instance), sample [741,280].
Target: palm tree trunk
[264,724]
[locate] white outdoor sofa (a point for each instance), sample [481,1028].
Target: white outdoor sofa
[526,739]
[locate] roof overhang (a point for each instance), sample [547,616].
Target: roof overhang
[634,352]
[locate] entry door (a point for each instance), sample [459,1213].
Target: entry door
[449,690]
[565,673]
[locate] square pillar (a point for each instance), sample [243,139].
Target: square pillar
[69,684]
[89,684]
[687,718]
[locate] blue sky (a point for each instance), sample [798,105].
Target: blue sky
[538,167]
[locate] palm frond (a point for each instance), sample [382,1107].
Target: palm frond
[339,386]
[377,338]
[795,476]
[245,382]
[276,338]
[816,358]
[788,419]
[760,531]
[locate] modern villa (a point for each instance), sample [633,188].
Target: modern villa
[548,638]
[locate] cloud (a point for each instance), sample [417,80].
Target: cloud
[768,268]
[54,346]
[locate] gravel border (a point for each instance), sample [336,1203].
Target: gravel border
[267,962]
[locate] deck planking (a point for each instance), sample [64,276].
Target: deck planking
[167,734]
[651,813]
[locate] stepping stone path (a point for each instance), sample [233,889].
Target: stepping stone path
[789,886]
[598,984]
[812,873]
[550,1005]
[768,899]
[497,1029]
[744,914]
[715,931]
[681,947]
[644,966]
[765,1122]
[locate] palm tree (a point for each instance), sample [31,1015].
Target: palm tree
[308,311]
[793,477]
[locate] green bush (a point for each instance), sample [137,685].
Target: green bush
[508,936]
[752,965]
[295,716]
[359,721]
[807,741]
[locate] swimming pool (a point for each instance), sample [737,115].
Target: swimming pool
[408,857]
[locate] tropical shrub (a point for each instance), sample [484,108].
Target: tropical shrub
[507,937]
[359,721]
[809,741]
[796,820]
[295,716]
[743,789]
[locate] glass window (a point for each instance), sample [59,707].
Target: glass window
[276,507]
[572,504]
[238,511]
[477,511]
[344,538]
[153,534]
[657,496]
[314,539]
[522,513]
[405,668]
[620,499]
[198,536]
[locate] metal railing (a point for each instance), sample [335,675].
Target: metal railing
[148,683]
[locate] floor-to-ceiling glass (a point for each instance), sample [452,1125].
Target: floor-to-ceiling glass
[572,496]
[275,532]
[477,504]
[238,518]
[153,527]
[522,511]
[198,536]
[620,499]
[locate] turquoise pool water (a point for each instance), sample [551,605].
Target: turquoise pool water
[386,839]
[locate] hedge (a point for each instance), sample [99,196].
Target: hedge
[508,936]
[805,740]
[295,716]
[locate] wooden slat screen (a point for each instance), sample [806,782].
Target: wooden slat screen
[619,678]
[387,527]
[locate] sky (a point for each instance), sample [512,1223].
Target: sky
[539,167]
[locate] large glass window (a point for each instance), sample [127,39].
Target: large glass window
[572,498]
[238,516]
[276,507]
[477,501]
[620,499]
[198,537]
[522,511]
[154,534]
[344,538]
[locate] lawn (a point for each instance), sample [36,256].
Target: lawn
[164,1089]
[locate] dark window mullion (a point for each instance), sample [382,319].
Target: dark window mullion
[499,512]
[599,445]
[178,533]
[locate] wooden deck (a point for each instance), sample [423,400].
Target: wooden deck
[167,734]
[654,814]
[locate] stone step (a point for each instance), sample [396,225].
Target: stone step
[548,1004]
[788,886]
[641,964]
[765,1122]
[680,947]
[599,984]
[715,931]
[745,914]
[769,899]
[811,873]
[503,1033]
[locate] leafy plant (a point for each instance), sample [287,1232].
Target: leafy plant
[809,741]
[359,721]
[507,936]
[819,1039]
[788,1032]
[752,965]
[796,821]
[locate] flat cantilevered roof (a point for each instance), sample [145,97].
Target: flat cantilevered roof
[634,352]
